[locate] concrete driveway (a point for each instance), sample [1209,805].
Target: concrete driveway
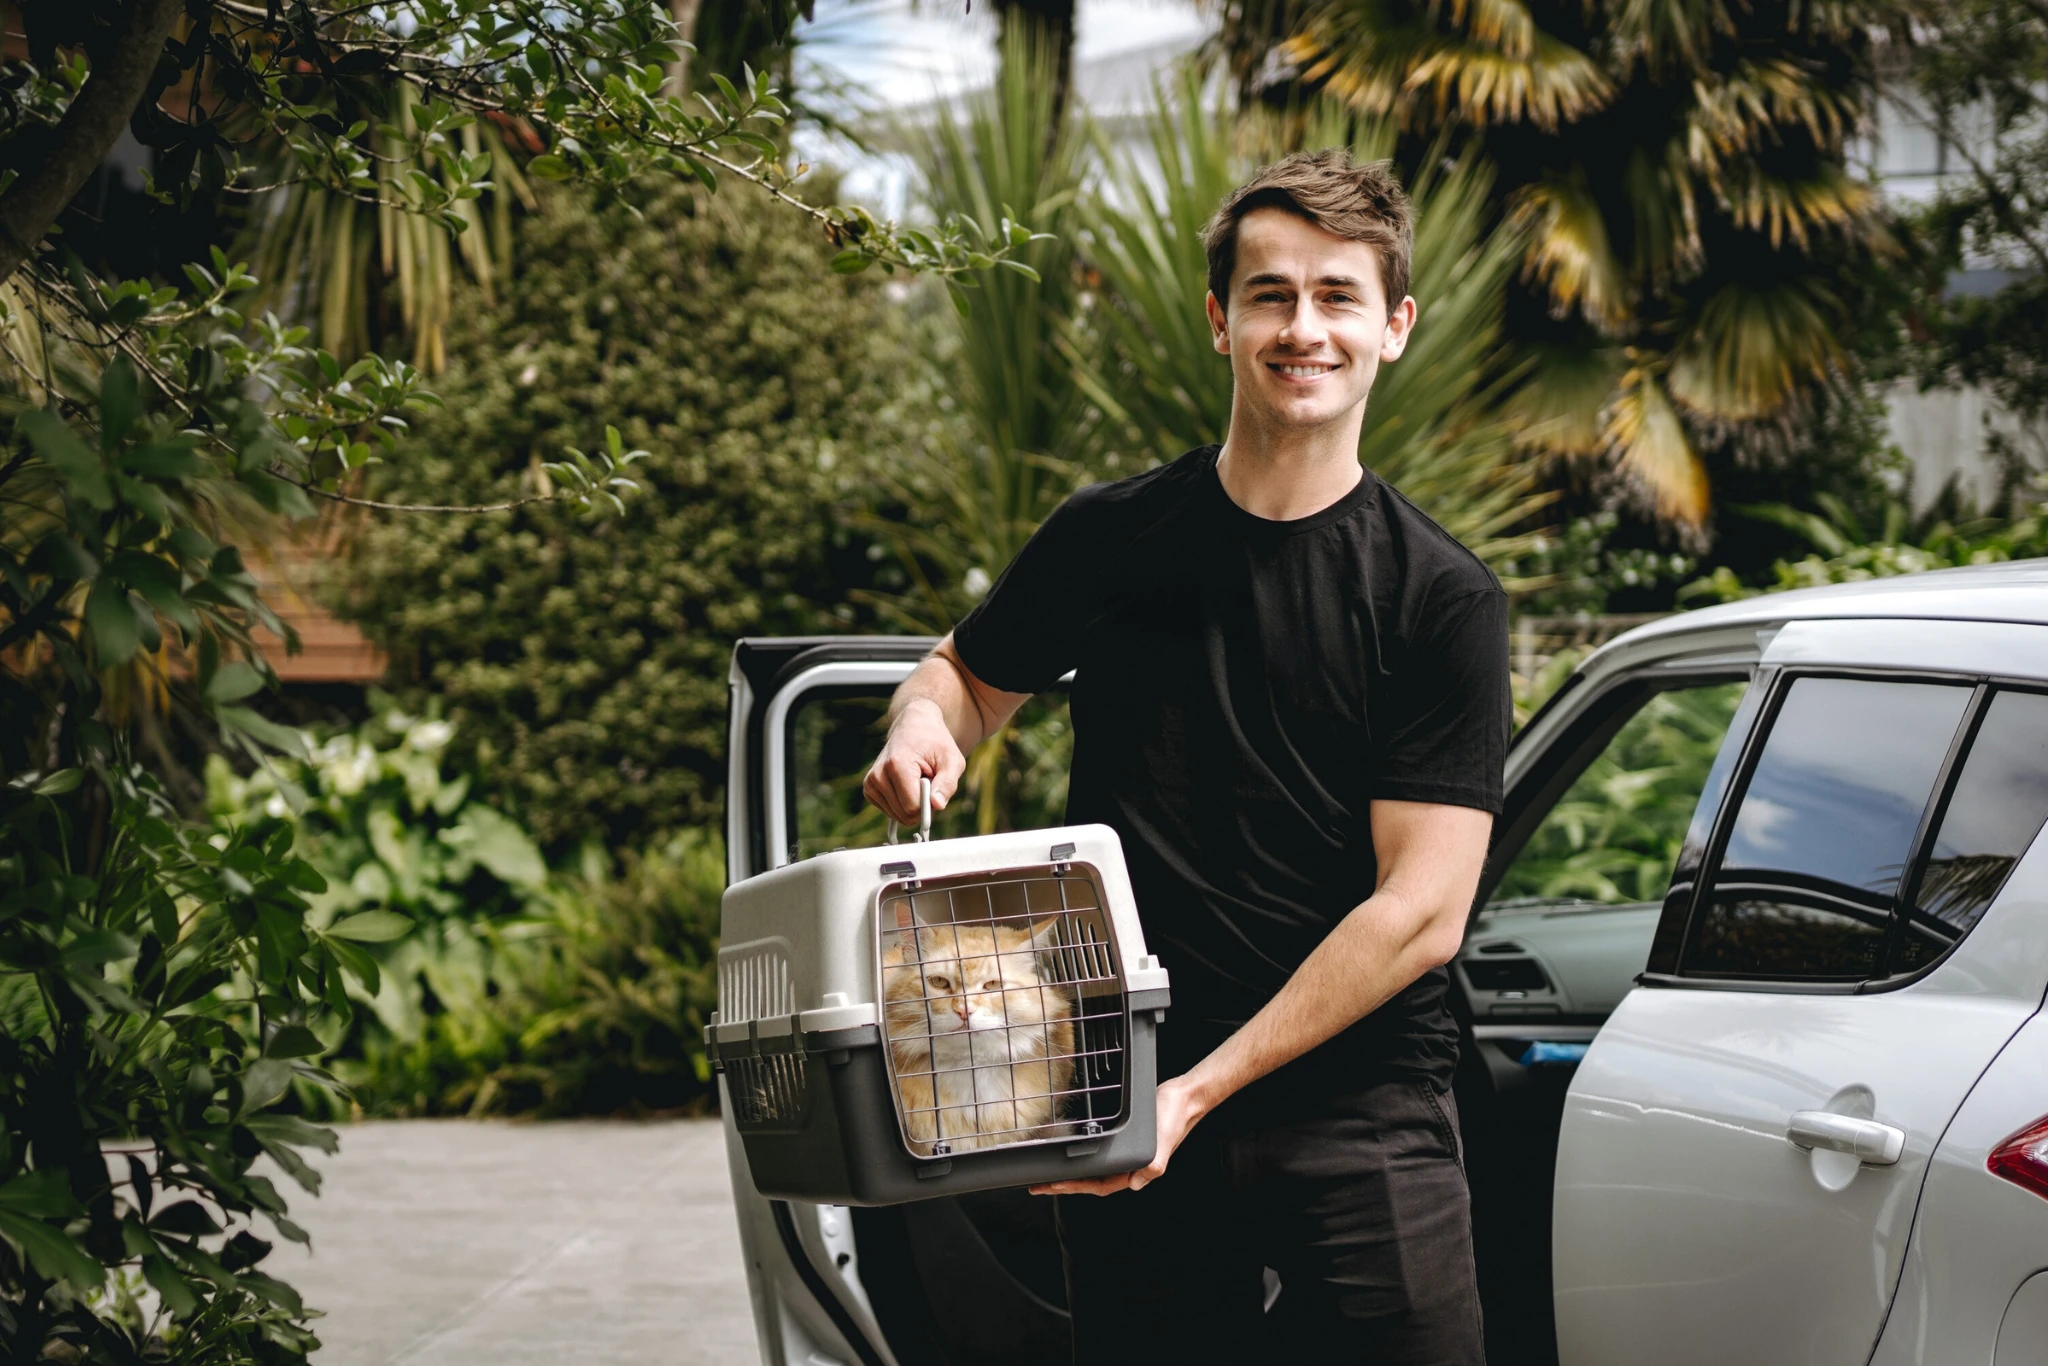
[463,1243]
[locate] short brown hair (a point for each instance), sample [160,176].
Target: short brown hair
[1354,202]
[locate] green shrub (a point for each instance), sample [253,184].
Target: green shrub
[594,1003]
[518,990]
[584,661]
[1844,552]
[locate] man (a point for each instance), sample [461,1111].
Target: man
[1290,701]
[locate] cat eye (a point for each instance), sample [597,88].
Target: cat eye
[940,983]
[992,984]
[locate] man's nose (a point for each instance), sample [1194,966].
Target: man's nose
[1304,328]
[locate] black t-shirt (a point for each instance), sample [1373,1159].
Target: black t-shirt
[1243,690]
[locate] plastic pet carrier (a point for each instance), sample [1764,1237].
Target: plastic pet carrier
[933,1018]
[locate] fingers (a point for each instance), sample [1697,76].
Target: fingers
[1146,1175]
[892,784]
[1101,1185]
[946,781]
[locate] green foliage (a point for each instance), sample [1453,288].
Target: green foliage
[520,990]
[1016,443]
[386,829]
[1575,567]
[1847,553]
[1614,836]
[583,661]
[593,1002]
[163,990]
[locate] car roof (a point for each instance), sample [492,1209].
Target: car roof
[2016,590]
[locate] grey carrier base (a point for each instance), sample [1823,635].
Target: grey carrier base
[847,1149]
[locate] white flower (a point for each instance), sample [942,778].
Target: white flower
[428,736]
[353,773]
[976,582]
[277,806]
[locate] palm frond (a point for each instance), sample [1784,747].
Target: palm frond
[1557,408]
[1019,438]
[1739,110]
[1554,85]
[1753,346]
[1570,254]
[1482,62]
[328,258]
[1664,35]
[1650,447]
[1829,198]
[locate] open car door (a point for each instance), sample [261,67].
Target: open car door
[974,1277]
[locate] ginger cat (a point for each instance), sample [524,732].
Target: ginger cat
[982,1041]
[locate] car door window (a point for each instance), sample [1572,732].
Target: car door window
[1998,806]
[1015,781]
[1805,885]
[1613,836]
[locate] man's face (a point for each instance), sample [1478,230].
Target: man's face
[1308,323]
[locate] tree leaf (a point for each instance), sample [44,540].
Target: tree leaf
[548,166]
[62,781]
[64,451]
[176,1291]
[233,682]
[264,1082]
[52,1251]
[499,844]
[111,618]
[371,927]
[186,1217]
[120,400]
[294,1041]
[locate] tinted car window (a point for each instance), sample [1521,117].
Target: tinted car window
[1805,885]
[1998,806]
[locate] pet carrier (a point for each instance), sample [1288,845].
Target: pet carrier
[928,1019]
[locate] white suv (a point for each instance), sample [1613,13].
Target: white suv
[1753,1068]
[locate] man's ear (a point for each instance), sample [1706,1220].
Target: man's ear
[1400,325]
[1219,325]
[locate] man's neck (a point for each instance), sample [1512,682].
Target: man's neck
[1289,474]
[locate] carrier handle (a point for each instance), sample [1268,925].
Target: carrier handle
[924,813]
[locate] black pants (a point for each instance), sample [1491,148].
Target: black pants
[1357,1201]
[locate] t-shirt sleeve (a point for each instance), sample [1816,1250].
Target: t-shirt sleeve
[1446,739]
[1025,633]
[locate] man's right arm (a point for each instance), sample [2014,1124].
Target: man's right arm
[939,713]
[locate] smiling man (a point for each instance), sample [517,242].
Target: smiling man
[1290,700]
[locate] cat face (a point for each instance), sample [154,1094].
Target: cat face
[963,978]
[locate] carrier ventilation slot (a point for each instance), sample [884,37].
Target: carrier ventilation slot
[766,1089]
[1005,1012]
[753,982]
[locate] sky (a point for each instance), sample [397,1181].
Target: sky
[886,53]
[901,51]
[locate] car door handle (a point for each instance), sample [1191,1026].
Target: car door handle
[1871,1142]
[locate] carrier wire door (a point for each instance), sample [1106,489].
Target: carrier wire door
[1006,1013]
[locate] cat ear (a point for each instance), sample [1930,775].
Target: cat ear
[1045,934]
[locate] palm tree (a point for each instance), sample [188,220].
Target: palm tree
[1679,171]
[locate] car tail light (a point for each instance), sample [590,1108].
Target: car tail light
[2023,1158]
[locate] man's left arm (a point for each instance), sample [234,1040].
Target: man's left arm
[1430,856]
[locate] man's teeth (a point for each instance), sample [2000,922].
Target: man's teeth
[1306,371]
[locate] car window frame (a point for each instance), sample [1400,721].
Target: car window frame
[1984,687]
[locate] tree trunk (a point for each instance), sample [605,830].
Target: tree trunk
[685,12]
[1050,26]
[89,128]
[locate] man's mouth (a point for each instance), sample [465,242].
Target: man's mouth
[1311,370]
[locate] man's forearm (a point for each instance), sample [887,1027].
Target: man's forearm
[938,681]
[1384,944]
